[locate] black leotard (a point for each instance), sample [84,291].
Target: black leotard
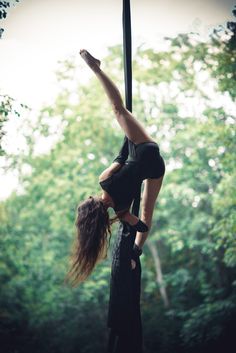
[144,161]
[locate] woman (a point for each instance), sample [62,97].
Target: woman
[138,160]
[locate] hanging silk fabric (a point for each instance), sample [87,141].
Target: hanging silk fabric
[124,317]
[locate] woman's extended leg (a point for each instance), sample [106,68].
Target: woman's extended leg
[131,126]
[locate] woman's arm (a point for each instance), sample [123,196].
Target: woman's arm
[110,170]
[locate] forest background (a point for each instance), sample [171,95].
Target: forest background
[185,96]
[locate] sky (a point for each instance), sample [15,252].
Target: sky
[38,33]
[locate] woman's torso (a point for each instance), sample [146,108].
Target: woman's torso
[144,161]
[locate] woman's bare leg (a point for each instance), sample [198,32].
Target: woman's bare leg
[131,126]
[151,191]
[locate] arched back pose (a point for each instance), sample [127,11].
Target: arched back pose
[139,160]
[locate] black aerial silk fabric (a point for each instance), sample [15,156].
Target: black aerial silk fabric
[124,316]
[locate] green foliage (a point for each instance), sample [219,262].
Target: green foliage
[185,103]
[4,7]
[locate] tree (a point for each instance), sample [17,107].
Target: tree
[4,7]
[180,98]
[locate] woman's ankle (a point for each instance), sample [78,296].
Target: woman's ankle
[130,218]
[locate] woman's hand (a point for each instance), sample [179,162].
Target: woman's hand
[133,264]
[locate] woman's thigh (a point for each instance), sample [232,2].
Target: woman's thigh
[132,128]
[149,196]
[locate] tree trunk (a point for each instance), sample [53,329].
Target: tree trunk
[159,277]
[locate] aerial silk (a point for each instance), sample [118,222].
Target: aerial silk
[124,316]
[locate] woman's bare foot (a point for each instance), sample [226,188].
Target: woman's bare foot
[93,63]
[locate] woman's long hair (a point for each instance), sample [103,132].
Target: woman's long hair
[93,234]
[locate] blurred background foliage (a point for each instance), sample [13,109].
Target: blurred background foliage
[185,96]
